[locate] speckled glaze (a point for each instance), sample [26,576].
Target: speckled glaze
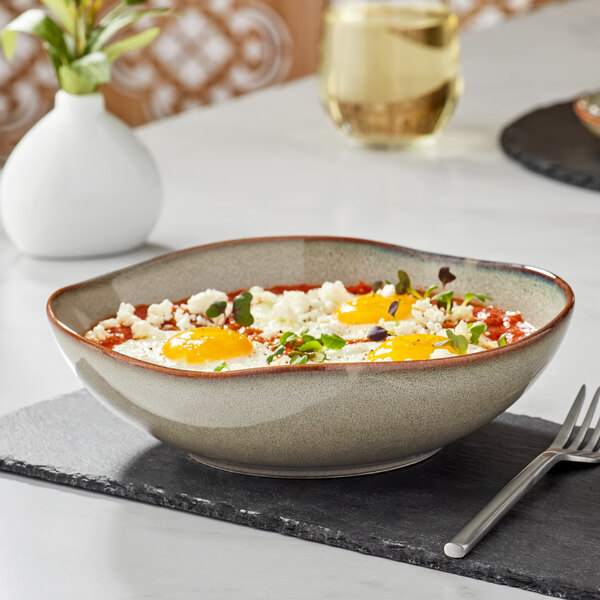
[325,420]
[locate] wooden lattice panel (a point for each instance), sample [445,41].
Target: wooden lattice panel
[216,50]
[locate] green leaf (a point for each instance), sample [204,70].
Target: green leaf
[445,298]
[476,329]
[430,290]
[458,342]
[311,346]
[308,338]
[288,336]
[36,22]
[278,352]
[299,359]
[333,341]
[470,296]
[241,309]
[216,308]
[502,340]
[220,367]
[110,28]
[134,42]
[84,75]
[63,12]
[403,285]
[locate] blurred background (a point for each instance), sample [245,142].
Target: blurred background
[217,49]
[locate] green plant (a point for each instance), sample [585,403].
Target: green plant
[79,40]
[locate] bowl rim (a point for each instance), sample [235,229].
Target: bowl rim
[583,113]
[417,365]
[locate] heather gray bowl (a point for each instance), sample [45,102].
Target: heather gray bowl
[323,420]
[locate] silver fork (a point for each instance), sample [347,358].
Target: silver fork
[466,539]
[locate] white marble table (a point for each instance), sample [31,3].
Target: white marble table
[272,164]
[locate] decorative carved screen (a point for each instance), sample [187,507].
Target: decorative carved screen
[217,49]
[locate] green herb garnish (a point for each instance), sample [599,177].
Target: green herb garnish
[216,308]
[299,359]
[311,346]
[430,291]
[288,336]
[404,286]
[470,296]
[332,341]
[502,340]
[278,352]
[241,309]
[220,367]
[445,298]
[476,330]
[458,342]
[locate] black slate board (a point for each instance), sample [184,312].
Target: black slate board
[552,141]
[550,543]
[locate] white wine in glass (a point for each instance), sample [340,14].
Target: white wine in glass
[389,71]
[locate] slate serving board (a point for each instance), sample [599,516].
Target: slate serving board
[553,142]
[550,543]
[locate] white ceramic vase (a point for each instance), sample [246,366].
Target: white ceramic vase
[79,184]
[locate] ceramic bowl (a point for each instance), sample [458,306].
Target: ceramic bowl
[321,420]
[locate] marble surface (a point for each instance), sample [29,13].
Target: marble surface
[271,163]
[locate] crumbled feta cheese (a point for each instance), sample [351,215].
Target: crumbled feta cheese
[333,294]
[199,303]
[461,313]
[99,333]
[430,317]
[159,313]
[441,353]
[109,323]
[125,314]
[463,329]
[182,319]
[143,329]
[388,290]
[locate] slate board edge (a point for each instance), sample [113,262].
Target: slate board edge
[306,531]
[543,166]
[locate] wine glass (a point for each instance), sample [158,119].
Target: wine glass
[389,71]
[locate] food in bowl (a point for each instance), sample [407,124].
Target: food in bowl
[289,325]
[324,419]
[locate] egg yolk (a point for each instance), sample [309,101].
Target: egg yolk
[414,347]
[370,308]
[205,344]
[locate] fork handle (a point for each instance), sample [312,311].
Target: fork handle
[466,539]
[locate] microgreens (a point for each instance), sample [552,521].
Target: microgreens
[299,359]
[404,286]
[305,346]
[220,367]
[476,330]
[279,351]
[458,342]
[502,340]
[444,298]
[470,296]
[288,336]
[445,276]
[216,308]
[377,334]
[378,285]
[430,291]
[332,341]
[393,308]
[241,309]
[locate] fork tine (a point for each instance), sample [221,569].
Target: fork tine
[586,423]
[596,433]
[565,431]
